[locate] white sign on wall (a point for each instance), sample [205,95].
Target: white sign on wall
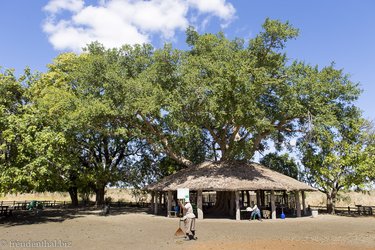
[182,193]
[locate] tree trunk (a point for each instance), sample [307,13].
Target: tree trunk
[100,191]
[222,204]
[331,202]
[73,192]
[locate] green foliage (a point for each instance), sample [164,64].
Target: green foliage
[281,163]
[11,106]
[241,97]
[136,113]
[367,162]
[33,154]
[336,156]
[79,93]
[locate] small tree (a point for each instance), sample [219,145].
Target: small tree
[367,167]
[334,157]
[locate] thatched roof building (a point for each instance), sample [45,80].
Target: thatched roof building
[229,176]
[234,177]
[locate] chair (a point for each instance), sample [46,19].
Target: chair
[266,214]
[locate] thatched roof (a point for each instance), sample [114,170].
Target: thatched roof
[228,176]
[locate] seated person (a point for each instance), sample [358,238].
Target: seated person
[254,212]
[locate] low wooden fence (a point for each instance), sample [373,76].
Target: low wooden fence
[129,204]
[22,205]
[357,210]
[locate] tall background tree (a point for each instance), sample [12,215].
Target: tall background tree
[11,107]
[77,91]
[281,163]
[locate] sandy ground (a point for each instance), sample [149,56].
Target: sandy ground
[125,229]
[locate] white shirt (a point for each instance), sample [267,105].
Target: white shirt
[252,209]
[189,211]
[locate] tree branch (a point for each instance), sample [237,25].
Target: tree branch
[164,142]
[217,139]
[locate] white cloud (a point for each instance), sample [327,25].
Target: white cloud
[164,16]
[118,22]
[215,7]
[54,6]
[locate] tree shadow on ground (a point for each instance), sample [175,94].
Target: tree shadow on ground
[22,217]
[114,211]
[58,215]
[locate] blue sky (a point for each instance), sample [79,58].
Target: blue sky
[34,32]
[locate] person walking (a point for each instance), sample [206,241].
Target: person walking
[189,220]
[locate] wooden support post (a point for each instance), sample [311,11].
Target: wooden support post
[242,198]
[238,212]
[304,203]
[298,204]
[162,199]
[169,206]
[156,203]
[200,205]
[273,206]
[259,200]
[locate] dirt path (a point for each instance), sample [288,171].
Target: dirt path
[129,230]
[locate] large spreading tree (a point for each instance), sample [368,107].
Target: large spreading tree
[240,97]
[221,99]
